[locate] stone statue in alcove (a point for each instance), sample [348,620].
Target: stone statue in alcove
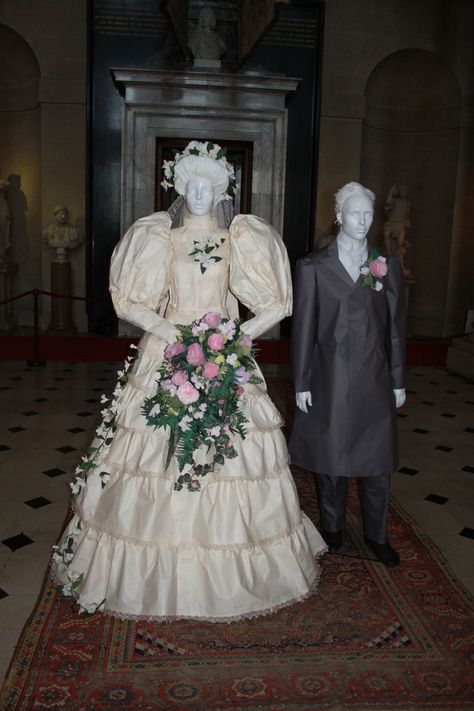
[61,235]
[204,41]
[397,209]
[5,222]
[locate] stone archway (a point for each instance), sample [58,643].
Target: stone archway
[20,160]
[411,135]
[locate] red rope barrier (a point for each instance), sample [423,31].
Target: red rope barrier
[56,296]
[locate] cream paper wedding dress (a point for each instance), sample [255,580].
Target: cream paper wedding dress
[239,547]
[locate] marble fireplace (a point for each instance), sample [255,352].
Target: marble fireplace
[199,105]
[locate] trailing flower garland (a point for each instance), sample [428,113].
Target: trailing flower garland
[104,434]
[198,389]
[374,269]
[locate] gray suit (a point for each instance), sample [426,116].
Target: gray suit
[348,349]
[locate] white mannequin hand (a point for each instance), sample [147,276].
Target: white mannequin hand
[303,401]
[400,396]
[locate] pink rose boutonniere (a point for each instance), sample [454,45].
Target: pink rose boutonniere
[373,270]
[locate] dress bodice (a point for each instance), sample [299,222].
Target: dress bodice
[155,282]
[193,292]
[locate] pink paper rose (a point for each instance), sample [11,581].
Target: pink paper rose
[210,370]
[242,375]
[212,319]
[216,342]
[174,349]
[195,355]
[179,377]
[378,268]
[187,393]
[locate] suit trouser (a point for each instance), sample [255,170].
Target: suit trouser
[375,491]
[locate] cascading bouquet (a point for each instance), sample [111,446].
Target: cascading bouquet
[198,389]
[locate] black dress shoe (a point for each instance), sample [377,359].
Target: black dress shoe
[333,540]
[384,552]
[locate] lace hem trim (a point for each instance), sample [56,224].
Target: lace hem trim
[201,618]
[115,469]
[190,545]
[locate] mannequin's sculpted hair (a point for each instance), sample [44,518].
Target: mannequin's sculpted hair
[350,189]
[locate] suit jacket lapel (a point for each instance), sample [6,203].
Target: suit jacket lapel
[333,263]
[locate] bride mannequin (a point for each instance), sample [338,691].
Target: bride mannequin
[241,546]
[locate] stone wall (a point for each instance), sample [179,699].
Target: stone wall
[434,157]
[43,134]
[43,140]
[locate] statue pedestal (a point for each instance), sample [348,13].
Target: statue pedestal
[7,270]
[200,63]
[61,309]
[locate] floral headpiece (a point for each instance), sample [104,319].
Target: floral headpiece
[203,160]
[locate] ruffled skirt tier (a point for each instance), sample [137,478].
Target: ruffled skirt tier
[239,547]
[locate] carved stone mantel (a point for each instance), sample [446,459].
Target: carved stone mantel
[199,105]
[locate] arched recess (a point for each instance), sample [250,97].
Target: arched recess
[411,136]
[20,160]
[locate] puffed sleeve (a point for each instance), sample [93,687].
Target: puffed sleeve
[259,273]
[139,274]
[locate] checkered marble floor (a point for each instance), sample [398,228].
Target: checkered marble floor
[47,419]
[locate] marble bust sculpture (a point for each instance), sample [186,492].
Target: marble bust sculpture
[204,41]
[61,234]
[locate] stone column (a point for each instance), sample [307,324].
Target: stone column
[7,270]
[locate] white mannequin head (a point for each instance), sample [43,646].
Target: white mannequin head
[354,210]
[199,196]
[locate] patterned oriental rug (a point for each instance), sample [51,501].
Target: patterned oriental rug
[371,638]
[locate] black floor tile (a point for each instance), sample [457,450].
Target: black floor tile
[408,470]
[66,449]
[41,399]
[469,429]
[452,392]
[6,387]
[4,447]
[447,414]
[30,413]
[18,428]
[16,542]
[401,415]
[3,594]
[467,532]
[411,392]
[435,499]
[419,430]
[427,402]
[76,430]
[442,448]
[53,472]
[469,469]
[466,402]
[85,413]
[52,388]
[92,399]
[434,382]
[38,503]
[18,377]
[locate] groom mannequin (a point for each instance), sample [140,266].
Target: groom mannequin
[347,386]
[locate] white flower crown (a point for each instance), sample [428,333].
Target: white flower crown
[220,171]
